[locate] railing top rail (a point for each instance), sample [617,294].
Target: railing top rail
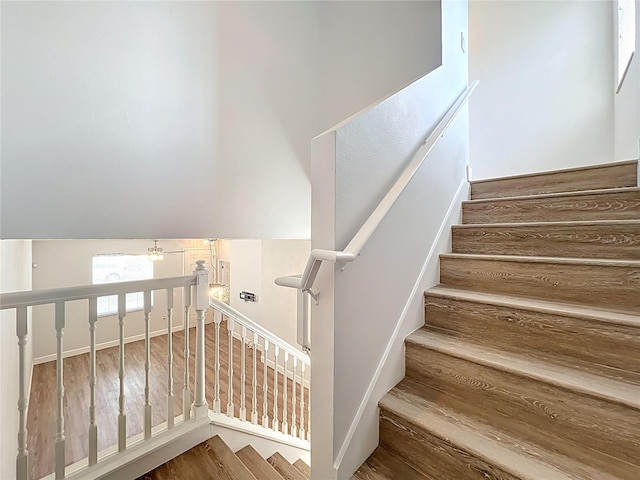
[30,298]
[259,329]
[352,250]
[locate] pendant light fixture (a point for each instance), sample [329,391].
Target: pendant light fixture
[155,253]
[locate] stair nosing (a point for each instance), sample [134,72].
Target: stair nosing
[568,223]
[518,364]
[540,259]
[439,426]
[576,193]
[537,305]
[560,171]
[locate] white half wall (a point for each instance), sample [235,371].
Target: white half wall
[546,94]
[15,275]
[378,298]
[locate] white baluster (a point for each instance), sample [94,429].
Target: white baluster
[274,423]
[217,318]
[285,395]
[60,438]
[93,427]
[243,377]
[200,407]
[230,409]
[302,431]
[170,397]
[22,459]
[294,427]
[254,382]
[122,417]
[186,390]
[147,365]
[265,382]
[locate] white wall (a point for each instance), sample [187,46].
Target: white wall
[279,309]
[246,275]
[119,115]
[367,309]
[15,275]
[627,103]
[359,45]
[66,263]
[255,264]
[545,100]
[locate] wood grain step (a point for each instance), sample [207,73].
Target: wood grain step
[285,469]
[259,467]
[303,467]
[614,239]
[382,465]
[590,418]
[596,177]
[226,460]
[608,344]
[610,284]
[194,463]
[608,204]
[449,445]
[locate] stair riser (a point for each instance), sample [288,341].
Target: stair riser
[621,241]
[433,455]
[605,348]
[553,417]
[612,286]
[597,178]
[614,206]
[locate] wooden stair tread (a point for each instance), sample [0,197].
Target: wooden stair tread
[565,377]
[258,465]
[560,170]
[577,193]
[569,223]
[303,467]
[539,305]
[540,259]
[194,463]
[221,454]
[383,465]
[519,458]
[285,469]
[594,177]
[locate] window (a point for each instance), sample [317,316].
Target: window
[626,37]
[121,268]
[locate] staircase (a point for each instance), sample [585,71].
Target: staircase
[213,459]
[528,366]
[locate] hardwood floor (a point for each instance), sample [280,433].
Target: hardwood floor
[41,423]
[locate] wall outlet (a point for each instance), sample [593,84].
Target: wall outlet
[248,297]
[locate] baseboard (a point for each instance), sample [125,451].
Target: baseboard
[102,346]
[367,402]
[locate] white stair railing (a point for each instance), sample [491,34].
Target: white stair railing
[304,282]
[276,370]
[196,285]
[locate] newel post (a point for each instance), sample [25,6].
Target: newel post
[201,301]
